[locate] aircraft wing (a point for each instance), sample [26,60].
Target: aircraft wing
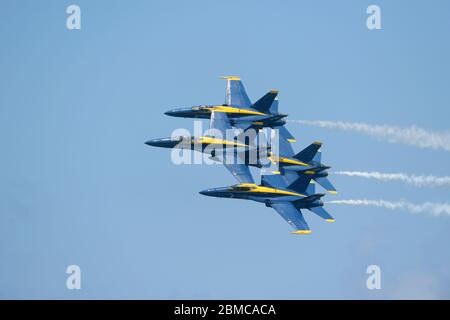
[241,172]
[284,142]
[236,95]
[273,181]
[293,216]
[284,133]
[220,122]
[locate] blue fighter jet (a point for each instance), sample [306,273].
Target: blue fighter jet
[307,161]
[241,112]
[287,201]
[215,144]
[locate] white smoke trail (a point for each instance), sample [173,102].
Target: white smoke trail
[414,136]
[435,209]
[415,180]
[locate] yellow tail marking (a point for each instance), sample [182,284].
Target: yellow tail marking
[231,78]
[329,220]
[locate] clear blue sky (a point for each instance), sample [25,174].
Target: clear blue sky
[79,186]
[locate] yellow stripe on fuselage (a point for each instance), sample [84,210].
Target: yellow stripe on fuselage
[262,189]
[290,161]
[212,140]
[228,109]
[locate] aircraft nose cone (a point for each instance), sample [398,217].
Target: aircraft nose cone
[204,192]
[175,112]
[153,142]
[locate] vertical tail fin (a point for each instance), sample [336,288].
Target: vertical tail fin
[307,154]
[265,103]
[301,184]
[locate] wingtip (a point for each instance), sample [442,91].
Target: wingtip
[236,78]
[330,220]
[291,140]
[302,232]
[332,191]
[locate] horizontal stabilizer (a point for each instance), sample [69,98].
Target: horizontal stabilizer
[263,105]
[307,154]
[321,212]
[324,182]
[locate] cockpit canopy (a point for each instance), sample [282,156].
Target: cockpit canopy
[243,187]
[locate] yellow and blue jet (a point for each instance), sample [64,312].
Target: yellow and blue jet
[241,112]
[307,161]
[213,144]
[290,164]
[286,200]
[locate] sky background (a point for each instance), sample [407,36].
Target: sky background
[79,186]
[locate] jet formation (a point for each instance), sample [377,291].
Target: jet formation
[288,188]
